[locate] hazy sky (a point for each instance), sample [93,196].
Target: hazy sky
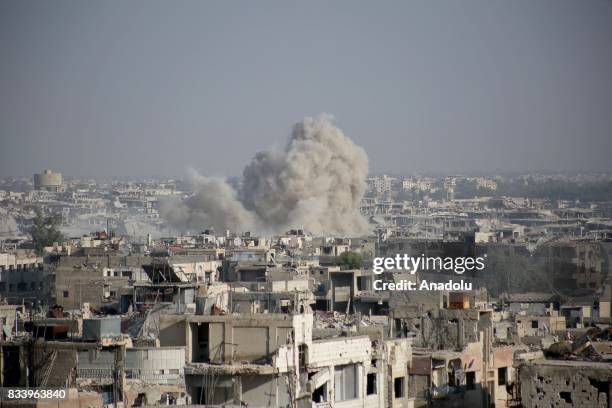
[143,88]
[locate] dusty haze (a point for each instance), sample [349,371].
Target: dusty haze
[150,88]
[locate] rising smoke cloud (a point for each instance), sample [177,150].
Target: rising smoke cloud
[316,182]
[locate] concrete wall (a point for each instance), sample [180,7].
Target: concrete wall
[149,358]
[172,330]
[338,351]
[565,384]
[545,325]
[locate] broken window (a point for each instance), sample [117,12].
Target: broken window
[470,380]
[566,396]
[65,293]
[371,385]
[203,333]
[502,373]
[451,378]
[320,394]
[602,386]
[398,387]
[199,396]
[534,324]
[345,382]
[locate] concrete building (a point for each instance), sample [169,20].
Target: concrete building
[86,279]
[48,181]
[23,277]
[272,360]
[537,326]
[118,373]
[574,266]
[380,184]
[267,348]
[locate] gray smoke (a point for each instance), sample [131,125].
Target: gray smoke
[213,204]
[315,183]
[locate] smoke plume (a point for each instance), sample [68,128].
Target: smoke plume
[316,182]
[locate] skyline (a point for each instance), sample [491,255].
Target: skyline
[117,90]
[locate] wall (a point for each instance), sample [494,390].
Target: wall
[565,384]
[546,325]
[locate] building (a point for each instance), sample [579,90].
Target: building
[48,181]
[380,184]
[23,277]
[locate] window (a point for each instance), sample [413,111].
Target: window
[371,385]
[345,382]
[398,387]
[451,378]
[534,324]
[66,293]
[502,373]
[566,396]
[362,283]
[302,355]
[470,380]
[320,394]
[203,333]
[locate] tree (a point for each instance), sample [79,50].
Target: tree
[350,260]
[45,230]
